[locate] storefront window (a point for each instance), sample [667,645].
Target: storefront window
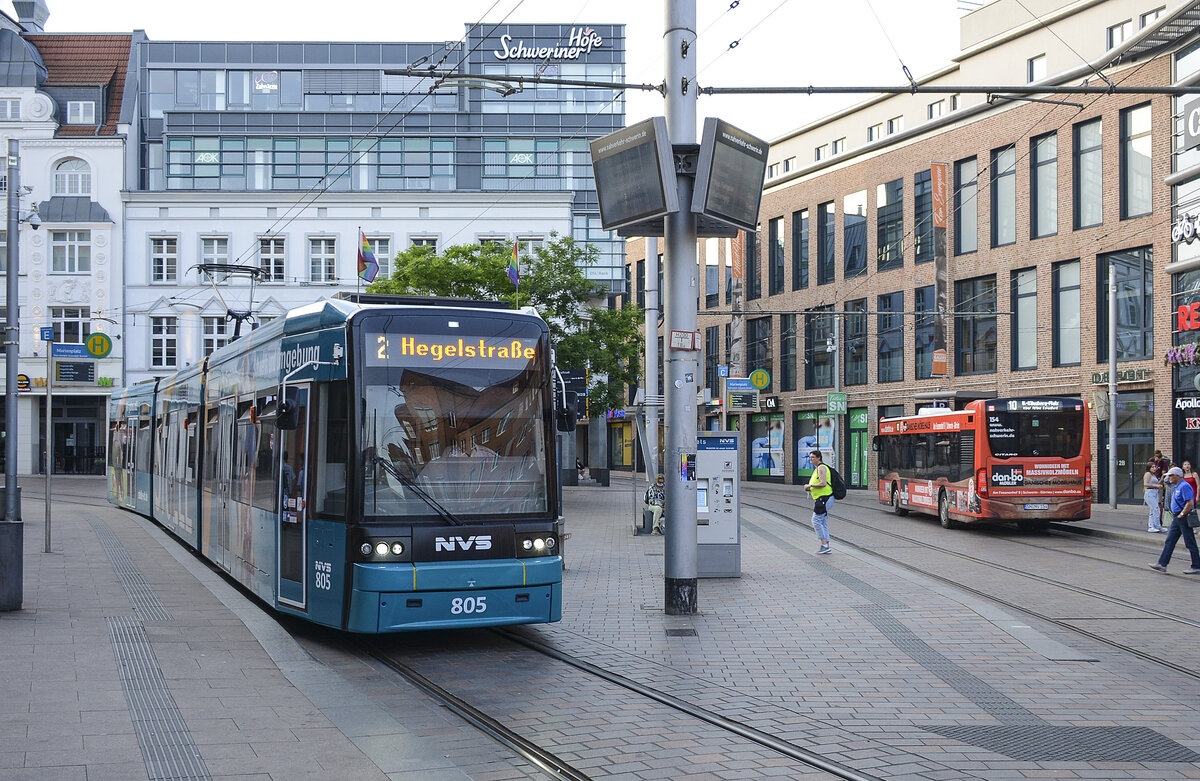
[813,430]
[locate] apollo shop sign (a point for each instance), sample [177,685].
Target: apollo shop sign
[582,40]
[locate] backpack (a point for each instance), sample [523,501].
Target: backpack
[839,485]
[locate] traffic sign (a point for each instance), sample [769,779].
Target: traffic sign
[60,350]
[47,333]
[99,345]
[760,378]
[836,405]
[722,370]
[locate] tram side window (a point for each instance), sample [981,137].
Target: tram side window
[210,454]
[245,450]
[193,443]
[143,440]
[266,460]
[333,445]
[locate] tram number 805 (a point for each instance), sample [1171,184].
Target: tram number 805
[460,605]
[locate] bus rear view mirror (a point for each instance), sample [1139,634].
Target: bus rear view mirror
[875,444]
[567,415]
[288,418]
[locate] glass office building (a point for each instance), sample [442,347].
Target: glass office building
[301,118]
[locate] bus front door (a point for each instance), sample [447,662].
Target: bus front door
[293,511]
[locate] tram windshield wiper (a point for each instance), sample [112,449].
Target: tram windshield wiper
[408,482]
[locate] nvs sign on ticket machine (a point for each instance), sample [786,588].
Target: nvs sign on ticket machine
[718,505]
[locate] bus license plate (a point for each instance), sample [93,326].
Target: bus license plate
[1037,507]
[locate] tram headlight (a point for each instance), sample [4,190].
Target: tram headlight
[527,544]
[381,548]
[397,548]
[537,544]
[385,550]
[365,549]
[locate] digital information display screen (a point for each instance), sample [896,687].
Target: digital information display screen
[729,174]
[635,178]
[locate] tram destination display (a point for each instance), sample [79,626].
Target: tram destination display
[635,175]
[729,174]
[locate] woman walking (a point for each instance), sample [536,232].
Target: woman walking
[820,488]
[1152,483]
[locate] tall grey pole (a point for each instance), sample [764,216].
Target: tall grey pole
[1112,384]
[49,433]
[679,279]
[838,438]
[12,530]
[652,389]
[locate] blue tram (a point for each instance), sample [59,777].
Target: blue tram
[375,468]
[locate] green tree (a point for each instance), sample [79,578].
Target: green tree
[585,334]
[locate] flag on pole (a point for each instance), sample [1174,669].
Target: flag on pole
[368,267]
[514,271]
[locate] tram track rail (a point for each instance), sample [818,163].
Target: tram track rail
[992,596]
[553,765]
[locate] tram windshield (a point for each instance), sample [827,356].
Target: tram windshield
[458,413]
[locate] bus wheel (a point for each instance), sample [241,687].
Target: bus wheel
[896,508]
[944,512]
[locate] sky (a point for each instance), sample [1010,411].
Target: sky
[779,42]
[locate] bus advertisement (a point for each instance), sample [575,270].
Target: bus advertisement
[1020,460]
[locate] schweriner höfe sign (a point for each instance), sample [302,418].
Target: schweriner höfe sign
[580,41]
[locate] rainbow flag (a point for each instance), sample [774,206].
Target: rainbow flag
[514,271]
[368,267]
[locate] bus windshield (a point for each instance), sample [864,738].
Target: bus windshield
[1035,433]
[460,416]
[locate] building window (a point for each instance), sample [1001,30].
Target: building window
[712,274]
[936,109]
[1024,319]
[272,258]
[818,352]
[925,300]
[1150,16]
[758,346]
[71,252]
[641,284]
[874,132]
[72,177]
[772,170]
[753,282]
[1035,68]
[1004,196]
[1065,325]
[891,337]
[1118,34]
[966,206]
[839,146]
[322,259]
[712,358]
[854,352]
[1135,161]
[214,249]
[789,164]
[81,112]
[10,108]
[72,325]
[216,334]
[787,352]
[775,269]
[975,335]
[1043,187]
[895,125]
[381,248]
[826,224]
[889,216]
[923,214]
[424,241]
[1135,304]
[800,249]
[854,233]
[1089,197]
[164,259]
[164,342]
[821,152]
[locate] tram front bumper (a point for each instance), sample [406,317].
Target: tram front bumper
[425,596]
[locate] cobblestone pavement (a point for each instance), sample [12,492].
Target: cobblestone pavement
[129,660]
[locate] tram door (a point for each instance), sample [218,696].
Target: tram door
[222,483]
[129,442]
[293,491]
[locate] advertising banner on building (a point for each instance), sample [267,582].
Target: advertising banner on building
[941,268]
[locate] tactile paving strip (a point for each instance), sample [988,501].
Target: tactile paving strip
[140,594]
[167,745]
[1055,743]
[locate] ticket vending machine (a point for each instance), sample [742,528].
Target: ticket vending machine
[718,505]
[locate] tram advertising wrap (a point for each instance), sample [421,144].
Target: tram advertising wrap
[1024,460]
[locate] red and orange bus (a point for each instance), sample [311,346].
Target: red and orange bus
[1020,460]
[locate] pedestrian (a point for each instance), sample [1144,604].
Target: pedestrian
[1161,461]
[579,467]
[1189,477]
[656,499]
[1183,506]
[820,488]
[1153,496]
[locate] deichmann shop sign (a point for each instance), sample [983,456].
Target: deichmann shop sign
[580,41]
